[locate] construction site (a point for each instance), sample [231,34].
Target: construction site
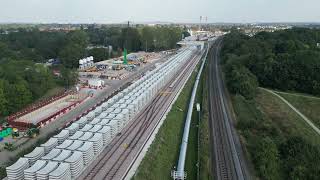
[116,68]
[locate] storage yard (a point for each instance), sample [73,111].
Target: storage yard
[115,69]
[92,143]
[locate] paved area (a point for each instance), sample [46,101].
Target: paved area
[117,159]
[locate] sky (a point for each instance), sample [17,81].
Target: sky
[181,11]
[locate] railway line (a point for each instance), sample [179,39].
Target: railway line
[227,157]
[116,160]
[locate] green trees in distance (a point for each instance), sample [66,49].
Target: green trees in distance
[31,45]
[284,60]
[154,38]
[37,46]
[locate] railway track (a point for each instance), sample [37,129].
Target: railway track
[227,160]
[108,166]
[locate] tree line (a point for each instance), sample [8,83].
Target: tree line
[286,60]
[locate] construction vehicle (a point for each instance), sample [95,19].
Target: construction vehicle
[15,133]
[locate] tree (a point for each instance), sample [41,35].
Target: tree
[301,159]
[130,38]
[74,49]
[22,95]
[267,159]
[99,54]
[147,37]
[71,54]
[68,77]
[241,81]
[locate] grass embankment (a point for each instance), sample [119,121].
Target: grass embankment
[280,144]
[163,153]
[307,105]
[204,149]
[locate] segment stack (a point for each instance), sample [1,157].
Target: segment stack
[35,155]
[15,171]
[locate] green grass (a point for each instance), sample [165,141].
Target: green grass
[285,118]
[163,153]
[307,105]
[205,167]
[192,151]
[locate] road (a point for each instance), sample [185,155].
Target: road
[116,160]
[227,158]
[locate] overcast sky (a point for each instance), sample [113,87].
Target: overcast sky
[117,11]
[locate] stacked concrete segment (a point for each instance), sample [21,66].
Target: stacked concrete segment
[35,155]
[74,127]
[62,172]
[63,135]
[49,145]
[97,140]
[86,128]
[86,136]
[76,135]
[62,156]
[76,164]
[52,154]
[65,144]
[43,174]
[87,152]
[30,173]
[75,145]
[15,171]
